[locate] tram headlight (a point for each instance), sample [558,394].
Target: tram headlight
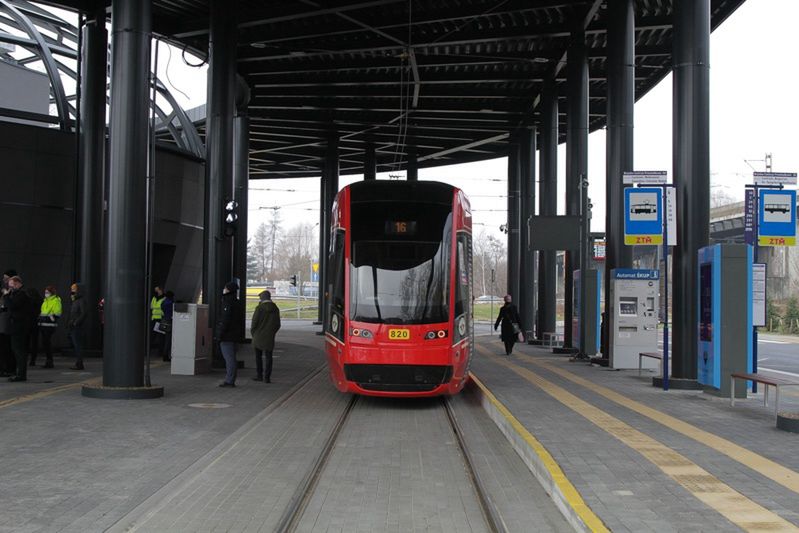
[430,335]
[363,333]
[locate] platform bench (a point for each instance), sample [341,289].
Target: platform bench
[766,381]
[651,355]
[551,338]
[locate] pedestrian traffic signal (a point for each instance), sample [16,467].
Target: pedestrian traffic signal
[231,218]
[294,280]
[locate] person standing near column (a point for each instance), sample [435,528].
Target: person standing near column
[49,315]
[226,332]
[19,326]
[77,316]
[167,308]
[265,324]
[156,313]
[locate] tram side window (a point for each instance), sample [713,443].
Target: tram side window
[463,273]
[336,264]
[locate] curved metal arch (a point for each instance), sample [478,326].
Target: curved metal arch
[42,47]
[49,63]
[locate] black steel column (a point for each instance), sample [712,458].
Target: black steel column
[125,305]
[413,164]
[528,267]
[369,162]
[329,190]
[320,312]
[94,61]
[514,213]
[576,160]
[621,101]
[219,152]
[691,169]
[241,178]
[548,205]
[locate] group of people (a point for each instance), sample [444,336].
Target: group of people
[25,315]
[265,324]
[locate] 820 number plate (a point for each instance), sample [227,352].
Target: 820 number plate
[399,334]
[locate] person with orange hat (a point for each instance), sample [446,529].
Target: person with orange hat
[77,316]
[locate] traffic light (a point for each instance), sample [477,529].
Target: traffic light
[294,280]
[231,218]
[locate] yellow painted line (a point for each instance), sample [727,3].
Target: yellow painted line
[55,390]
[570,493]
[47,392]
[776,472]
[734,506]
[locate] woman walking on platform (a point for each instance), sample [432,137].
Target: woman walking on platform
[48,322]
[509,317]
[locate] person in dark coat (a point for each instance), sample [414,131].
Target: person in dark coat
[226,332]
[265,324]
[8,365]
[33,335]
[77,316]
[20,318]
[509,317]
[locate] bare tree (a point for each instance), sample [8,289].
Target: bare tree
[259,250]
[719,197]
[296,249]
[275,234]
[489,254]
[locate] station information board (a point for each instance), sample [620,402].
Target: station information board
[643,216]
[777,218]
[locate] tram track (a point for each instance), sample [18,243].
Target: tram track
[305,491]
[299,501]
[490,513]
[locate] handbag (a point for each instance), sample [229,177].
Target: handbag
[164,327]
[517,330]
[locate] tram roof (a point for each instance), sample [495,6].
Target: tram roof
[469,71]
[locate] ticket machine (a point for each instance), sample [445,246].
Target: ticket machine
[633,324]
[724,303]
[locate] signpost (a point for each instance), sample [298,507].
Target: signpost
[646,222]
[769,220]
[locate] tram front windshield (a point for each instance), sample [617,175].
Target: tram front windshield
[399,272]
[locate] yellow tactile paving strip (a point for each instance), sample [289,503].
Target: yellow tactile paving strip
[731,504]
[776,472]
[570,494]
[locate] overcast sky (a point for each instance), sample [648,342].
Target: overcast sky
[754,110]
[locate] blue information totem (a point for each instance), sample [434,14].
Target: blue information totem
[724,300]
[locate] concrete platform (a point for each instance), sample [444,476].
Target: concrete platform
[557,444]
[647,460]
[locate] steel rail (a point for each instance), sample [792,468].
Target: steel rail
[490,512]
[302,495]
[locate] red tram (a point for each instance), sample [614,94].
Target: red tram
[399,290]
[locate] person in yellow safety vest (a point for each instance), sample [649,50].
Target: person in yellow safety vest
[156,313]
[49,315]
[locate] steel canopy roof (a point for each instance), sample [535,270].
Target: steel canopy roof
[451,77]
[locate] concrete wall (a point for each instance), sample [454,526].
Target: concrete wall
[37,220]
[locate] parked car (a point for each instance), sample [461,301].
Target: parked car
[486,298]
